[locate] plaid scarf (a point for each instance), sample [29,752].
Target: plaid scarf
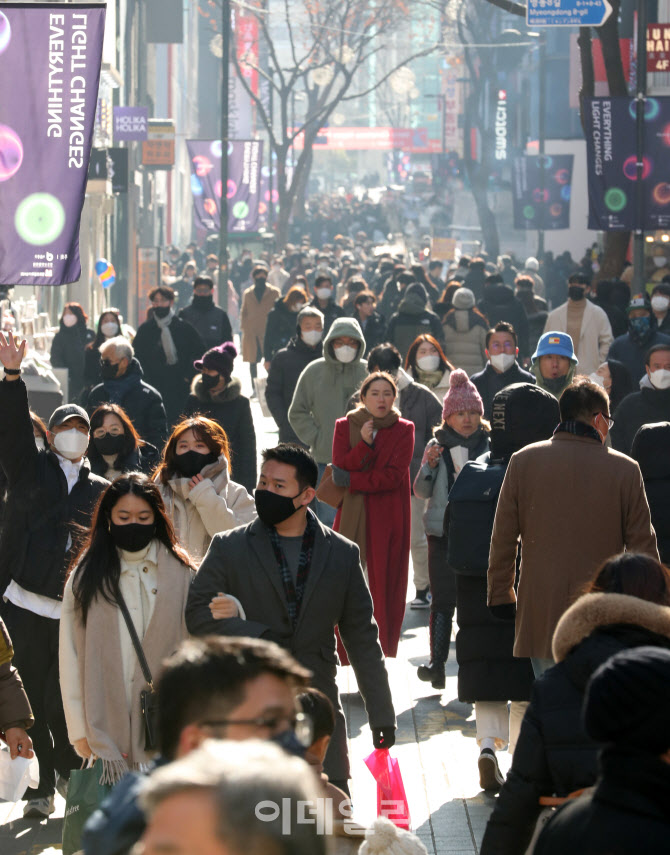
[294,593]
[578,429]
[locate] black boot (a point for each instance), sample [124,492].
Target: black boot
[440,638]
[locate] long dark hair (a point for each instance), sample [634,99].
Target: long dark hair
[132,438]
[97,567]
[99,335]
[78,311]
[634,574]
[410,360]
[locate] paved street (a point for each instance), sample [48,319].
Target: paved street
[435,747]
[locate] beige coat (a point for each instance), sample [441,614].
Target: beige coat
[253,318]
[574,503]
[595,336]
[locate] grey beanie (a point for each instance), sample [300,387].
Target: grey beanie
[463,299]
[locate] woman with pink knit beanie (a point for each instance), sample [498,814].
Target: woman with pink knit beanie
[462,436]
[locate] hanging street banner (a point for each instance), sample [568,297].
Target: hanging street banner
[245,159]
[542,202]
[567,13]
[611,164]
[50,58]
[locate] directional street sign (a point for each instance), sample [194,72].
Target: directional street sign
[568,13]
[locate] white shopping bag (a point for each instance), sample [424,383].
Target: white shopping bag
[259,385]
[17,775]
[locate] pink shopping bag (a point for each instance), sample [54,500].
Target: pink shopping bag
[391,798]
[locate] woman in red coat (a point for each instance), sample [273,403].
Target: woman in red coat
[372,449]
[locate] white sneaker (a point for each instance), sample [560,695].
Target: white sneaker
[39,808]
[422,599]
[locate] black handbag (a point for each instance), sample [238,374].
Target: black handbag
[148,697]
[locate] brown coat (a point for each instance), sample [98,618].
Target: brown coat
[574,503]
[253,319]
[14,706]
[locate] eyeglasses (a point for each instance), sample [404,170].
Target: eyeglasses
[299,723]
[610,422]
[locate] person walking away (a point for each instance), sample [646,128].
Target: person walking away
[465,329]
[165,347]
[462,436]
[372,451]
[122,384]
[605,292]
[257,301]
[502,368]
[558,559]
[652,451]
[281,322]
[211,322]
[131,558]
[536,309]
[216,394]
[650,404]
[68,348]
[116,447]
[195,480]
[312,413]
[554,363]
[50,497]
[413,318]
[489,675]
[288,364]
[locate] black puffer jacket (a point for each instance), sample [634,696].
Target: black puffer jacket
[645,407]
[68,350]
[554,755]
[142,459]
[279,329]
[40,516]
[233,412]
[210,321]
[651,449]
[286,366]
[500,304]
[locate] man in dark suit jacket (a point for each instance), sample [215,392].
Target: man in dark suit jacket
[297,580]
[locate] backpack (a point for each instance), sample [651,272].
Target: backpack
[469,516]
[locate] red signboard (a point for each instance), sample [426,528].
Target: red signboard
[413,140]
[658,47]
[246,34]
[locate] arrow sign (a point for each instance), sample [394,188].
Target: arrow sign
[568,13]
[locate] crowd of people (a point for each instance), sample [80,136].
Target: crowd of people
[512,443]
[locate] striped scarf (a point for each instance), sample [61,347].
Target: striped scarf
[578,429]
[294,592]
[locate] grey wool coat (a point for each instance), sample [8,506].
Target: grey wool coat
[242,563]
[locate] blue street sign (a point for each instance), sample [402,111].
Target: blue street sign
[568,13]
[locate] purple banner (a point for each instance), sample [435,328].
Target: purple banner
[245,158]
[130,123]
[542,201]
[50,58]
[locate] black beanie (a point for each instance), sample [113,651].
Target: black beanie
[521,414]
[628,700]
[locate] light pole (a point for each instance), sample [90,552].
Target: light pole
[641,95]
[223,208]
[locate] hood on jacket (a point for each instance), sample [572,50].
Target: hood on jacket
[593,611]
[296,343]
[413,302]
[498,294]
[521,414]
[651,449]
[343,327]
[232,390]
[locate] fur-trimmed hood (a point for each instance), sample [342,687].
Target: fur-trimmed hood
[593,611]
[233,389]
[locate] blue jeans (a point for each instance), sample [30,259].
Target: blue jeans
[540,664]
[323,511]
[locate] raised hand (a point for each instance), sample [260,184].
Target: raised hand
[11,352]
[366,432]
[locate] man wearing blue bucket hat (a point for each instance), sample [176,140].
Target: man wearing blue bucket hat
[554,362]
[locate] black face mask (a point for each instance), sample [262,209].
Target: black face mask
[290,743]
[132,537]
[202,302]
[209,381]
[109,444]
[273,508]
[161,311]
[191,463]
[108,369]
[555,385]
[576,292]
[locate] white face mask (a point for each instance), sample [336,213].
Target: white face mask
[502,361]
[429,363]
[311,337]
[297,307]
[660,260]
[71,443]
[659,303]
[69,320]
[660,379]
[324,293]
[345,353]
[597,379]
[39,443]
[109,329]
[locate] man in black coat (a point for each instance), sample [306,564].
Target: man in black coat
[502,368]
[297,580]
[651,404]
[50,499]
[166,347]
[210,321]
[287,365]
[500,304]
[123,385]
[324,300]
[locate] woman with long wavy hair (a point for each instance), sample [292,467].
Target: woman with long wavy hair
[131,554]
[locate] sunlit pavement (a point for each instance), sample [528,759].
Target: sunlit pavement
[435,746]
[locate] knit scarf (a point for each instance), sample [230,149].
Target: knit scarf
[449,438]
[169,348]
[428,378]
[578,429]
[352,517]
[294,592]
[114,736]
